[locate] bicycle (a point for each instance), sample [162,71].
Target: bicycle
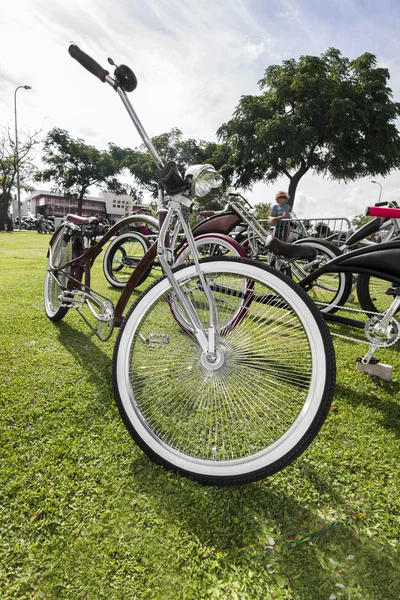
[371,291]
[381,262]
[223,370]
[333,287]
[126,251]
[296,261]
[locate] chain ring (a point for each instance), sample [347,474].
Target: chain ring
[374,337]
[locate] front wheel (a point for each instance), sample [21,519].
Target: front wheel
[212,245]
[251,409]
[60,253]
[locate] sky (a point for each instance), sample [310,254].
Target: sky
[194,59]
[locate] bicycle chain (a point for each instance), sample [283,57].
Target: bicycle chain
[357,310]
[370,341]
[349,339]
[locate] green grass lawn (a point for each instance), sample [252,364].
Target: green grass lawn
[85,514]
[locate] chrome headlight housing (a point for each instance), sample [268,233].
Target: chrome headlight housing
[204,179]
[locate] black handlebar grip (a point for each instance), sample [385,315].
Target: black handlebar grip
[88,62]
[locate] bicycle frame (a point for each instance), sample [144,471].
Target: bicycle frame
[236,213]
[82,260]
[359,262]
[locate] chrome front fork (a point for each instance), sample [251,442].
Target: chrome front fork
[205,337]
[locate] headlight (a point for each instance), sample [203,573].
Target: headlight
[204,179]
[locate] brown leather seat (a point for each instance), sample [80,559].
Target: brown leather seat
[78,220]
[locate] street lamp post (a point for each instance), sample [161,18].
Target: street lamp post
[25,87]
[380,191]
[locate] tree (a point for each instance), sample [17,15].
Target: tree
[263,210]
[327,114]
[360,220]
[172,146]
[8,169]
[74,166]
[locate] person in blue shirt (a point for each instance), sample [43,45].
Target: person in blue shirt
[280,211]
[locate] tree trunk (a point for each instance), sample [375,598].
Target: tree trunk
[80,202]
[10,224]
[293,183]
[5,220]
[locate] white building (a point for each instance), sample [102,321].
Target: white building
[50,204]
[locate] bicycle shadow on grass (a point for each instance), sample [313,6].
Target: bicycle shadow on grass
[91,358]
[264,527]
[269,527]
[388,408]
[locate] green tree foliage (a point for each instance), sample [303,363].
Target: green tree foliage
[8,169]
[74,167]
[327,114]
[360,220]
[172,146]
[263,210]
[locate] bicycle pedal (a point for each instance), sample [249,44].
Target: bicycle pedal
[376,369]
[155,339]
[71,300]
[372,361]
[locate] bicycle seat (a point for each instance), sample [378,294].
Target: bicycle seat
[289,250]
[78,220]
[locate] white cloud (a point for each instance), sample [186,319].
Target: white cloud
[253,50]
[193,61]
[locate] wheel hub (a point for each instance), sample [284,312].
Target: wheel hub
[213,362]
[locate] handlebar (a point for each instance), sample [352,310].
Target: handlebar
[125,80]
[232,195]
[88,62]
